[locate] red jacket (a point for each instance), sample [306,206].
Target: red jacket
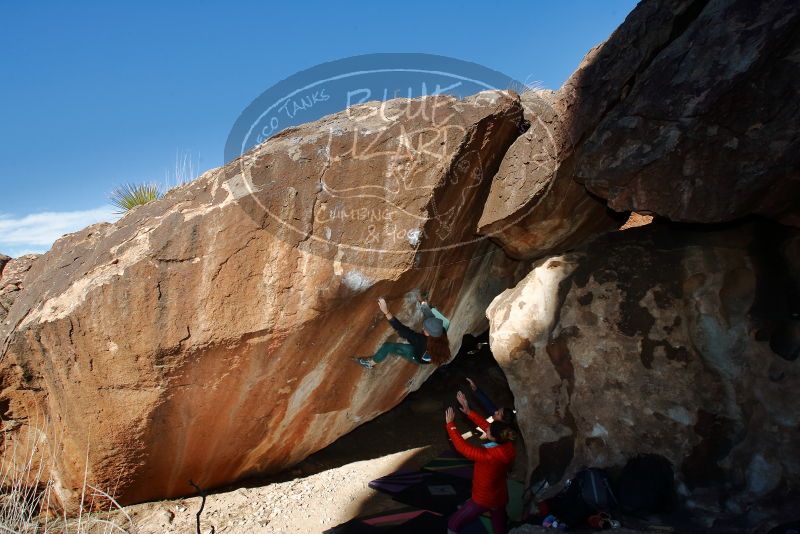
[491,466]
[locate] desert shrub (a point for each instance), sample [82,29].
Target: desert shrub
[28,504]
[128,196]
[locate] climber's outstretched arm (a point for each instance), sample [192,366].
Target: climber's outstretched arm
[401,329]
[483,398]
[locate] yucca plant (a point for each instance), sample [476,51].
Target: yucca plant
[128,196]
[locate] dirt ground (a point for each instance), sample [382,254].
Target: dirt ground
[330,487]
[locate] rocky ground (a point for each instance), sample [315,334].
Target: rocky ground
[311,503]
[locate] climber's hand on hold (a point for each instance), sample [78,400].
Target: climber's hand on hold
[472,384]
[382,305]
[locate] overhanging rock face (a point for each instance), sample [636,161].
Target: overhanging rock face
[209,335]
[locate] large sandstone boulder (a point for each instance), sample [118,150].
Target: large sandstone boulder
[656,340]
[209,335]
[698,111]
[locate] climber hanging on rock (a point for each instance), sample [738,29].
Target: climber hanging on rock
[430,346]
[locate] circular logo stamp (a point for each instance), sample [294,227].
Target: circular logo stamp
[381,159]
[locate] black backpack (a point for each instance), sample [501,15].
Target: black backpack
[588,493]
[595,489]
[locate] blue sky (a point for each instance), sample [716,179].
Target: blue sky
[96,94]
